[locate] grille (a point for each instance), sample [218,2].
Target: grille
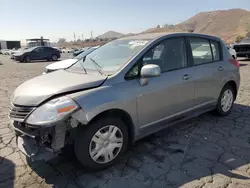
[20,112]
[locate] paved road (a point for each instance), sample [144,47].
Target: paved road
[206,152]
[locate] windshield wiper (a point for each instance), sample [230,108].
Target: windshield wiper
[83,67]
[97,65]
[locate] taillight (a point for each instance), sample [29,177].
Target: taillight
[234,62]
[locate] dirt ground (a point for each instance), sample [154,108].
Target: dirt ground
[205,152]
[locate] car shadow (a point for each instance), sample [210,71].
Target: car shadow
[208,150]
[243,64]
[7,173]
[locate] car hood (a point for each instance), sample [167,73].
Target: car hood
[61,64]
[18,53]
[38,89]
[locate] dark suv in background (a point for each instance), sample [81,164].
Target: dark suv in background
[38,53]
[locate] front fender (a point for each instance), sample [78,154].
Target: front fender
[98,100]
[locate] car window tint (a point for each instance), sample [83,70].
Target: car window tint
[169,55]
[201,51]
[133,73]
[216,50]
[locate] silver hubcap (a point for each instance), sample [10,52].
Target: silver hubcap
[227,100]
[106,144]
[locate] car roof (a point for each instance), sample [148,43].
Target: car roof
[154,36]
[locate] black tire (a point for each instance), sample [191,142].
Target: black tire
[219,109]
[54,57]
[84,137]
[26,59]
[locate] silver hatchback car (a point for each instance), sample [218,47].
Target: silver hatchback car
[121,92]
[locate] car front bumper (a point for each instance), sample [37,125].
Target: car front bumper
[18,58]
[39,143]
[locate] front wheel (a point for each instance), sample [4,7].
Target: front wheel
[225,101]
[27,59]
[102,143]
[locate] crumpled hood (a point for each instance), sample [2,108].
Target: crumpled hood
[61,64]
[36,90]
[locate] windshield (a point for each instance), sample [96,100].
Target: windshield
[83,54]
[29,49]
[111,56]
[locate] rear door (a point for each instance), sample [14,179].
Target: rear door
[206,63]
[48,51]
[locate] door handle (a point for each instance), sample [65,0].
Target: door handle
[186,77]
[220,68]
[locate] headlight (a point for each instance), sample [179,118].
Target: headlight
[52,111]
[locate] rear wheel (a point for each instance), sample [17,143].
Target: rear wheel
[102,143]
[225,101]
[54,57]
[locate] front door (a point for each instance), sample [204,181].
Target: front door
[173,91]
[37,54]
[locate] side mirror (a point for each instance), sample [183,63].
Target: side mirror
[148,71]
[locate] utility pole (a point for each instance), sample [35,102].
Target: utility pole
[74,36]
[82,37]
[91,34]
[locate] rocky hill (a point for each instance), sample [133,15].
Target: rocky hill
[110,35]
[227,24]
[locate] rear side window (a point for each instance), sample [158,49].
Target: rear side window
[201,51]
[216,50]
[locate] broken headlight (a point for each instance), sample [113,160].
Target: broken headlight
[52,111]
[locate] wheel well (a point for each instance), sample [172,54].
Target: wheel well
[233,84]
[124,116]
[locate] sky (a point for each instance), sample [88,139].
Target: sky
[54,19]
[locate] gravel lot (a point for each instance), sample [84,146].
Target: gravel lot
[207,151]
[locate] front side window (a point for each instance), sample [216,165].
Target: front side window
[201,51]
[168,55]
[111,56]
[38,50]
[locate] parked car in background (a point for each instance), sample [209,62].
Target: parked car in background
[232,51]
[6,51]
[77,52]
[243,48]
[67,50]
[37,53]
[122,92]
[68,62]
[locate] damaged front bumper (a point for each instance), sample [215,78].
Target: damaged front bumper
[41,142]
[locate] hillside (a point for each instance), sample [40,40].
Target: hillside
[227,24]
[110,35]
